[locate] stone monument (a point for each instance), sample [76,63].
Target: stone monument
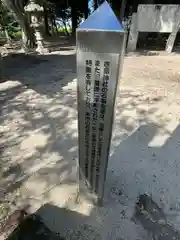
[36,12]
[100,50]
[155,18]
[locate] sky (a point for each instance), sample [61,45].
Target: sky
[91,4]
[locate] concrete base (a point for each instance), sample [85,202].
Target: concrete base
[42,50]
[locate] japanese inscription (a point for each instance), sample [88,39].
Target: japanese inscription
[88,111]
[96,88]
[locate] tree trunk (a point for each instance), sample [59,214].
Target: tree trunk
[65,28]
[46,24]
[55,26]
[52,27]
[8,38]
[95,4]
[16,7]
[1,67]
[28,40]
[122,10]
[6,34]
[116,6]
[86,9]
[74,18]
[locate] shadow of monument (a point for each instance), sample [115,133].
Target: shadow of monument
[153,219]
[139,167]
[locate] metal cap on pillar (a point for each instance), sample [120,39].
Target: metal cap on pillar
[100,49]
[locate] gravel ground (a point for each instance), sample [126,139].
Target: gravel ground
[38,145]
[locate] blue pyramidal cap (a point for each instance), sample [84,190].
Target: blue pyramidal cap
[102,19]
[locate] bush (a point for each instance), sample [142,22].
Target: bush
[16,34]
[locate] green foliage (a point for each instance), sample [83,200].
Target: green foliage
[9,27]
[63,30]
[63,8]
[16,34]
[3,14]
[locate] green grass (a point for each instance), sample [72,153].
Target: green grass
[62,29]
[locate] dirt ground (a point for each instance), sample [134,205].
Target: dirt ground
[38,145]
